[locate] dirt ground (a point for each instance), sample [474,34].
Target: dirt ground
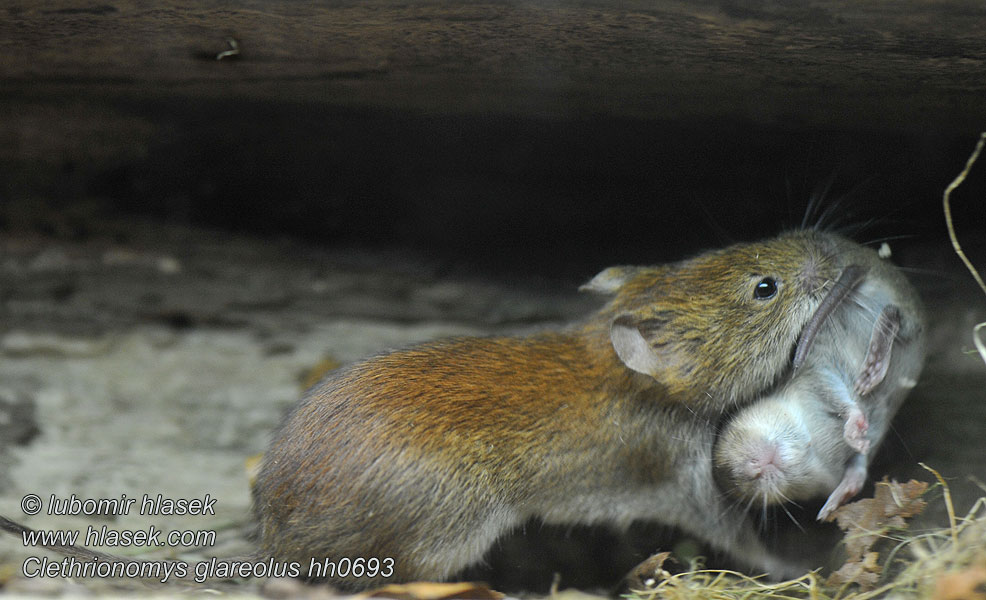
[144,358]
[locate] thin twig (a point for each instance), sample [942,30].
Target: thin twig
[946,202]
[234,49]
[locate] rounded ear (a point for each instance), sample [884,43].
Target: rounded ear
[632,347]
[609,281]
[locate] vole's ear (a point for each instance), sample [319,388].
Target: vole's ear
[632,347]
[609,281]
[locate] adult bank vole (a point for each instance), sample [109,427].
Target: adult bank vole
[420,458]
[427,455]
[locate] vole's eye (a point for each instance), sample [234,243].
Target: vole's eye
[766,289]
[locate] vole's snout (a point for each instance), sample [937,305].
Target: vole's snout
[764,461]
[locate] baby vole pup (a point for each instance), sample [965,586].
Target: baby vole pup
[814,436]
[428,454]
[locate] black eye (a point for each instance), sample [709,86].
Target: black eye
[767,288]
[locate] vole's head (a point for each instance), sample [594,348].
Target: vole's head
[785,448]
[720,328]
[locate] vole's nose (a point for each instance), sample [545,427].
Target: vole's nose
[764,461]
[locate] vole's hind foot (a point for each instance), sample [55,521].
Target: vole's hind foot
[878,355]
[852,481]
[854,431]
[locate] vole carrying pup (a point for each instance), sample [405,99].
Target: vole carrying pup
[427,455]
[815,435]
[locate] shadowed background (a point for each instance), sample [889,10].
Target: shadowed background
[368,174]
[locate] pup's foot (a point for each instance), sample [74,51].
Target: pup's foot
[852,482]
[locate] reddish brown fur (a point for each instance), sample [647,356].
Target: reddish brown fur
[500,424]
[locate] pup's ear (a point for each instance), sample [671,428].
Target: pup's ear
[633,348]
[609,281]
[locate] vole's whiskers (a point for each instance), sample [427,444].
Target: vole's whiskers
[787,500]
[926,272]
[865,303]
[839,211]
[855,229]
[738,504]
[793,519]
[903,442]
[814,202]
[889,238]
[735,505]
[749,503]
[831,209]
[721,232]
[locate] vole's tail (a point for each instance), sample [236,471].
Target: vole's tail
[77,552]
[154,572]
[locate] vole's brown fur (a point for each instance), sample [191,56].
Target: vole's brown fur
[428,454]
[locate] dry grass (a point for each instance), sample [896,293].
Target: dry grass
[948,563]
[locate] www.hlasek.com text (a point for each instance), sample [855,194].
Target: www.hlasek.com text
[121,538]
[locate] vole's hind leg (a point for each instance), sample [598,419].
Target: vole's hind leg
[852,481]
[878,355]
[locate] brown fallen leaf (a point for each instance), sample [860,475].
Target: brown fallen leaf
[968,584]
[867,521]
[423,590]
[648,573]
[864,572]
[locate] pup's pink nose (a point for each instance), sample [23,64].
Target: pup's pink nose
[764,460]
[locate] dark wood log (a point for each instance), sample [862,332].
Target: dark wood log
[874,65]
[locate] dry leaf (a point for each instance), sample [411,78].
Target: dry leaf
[969,584]
[649,573]
[864,572]
[434,591]
[865,523]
